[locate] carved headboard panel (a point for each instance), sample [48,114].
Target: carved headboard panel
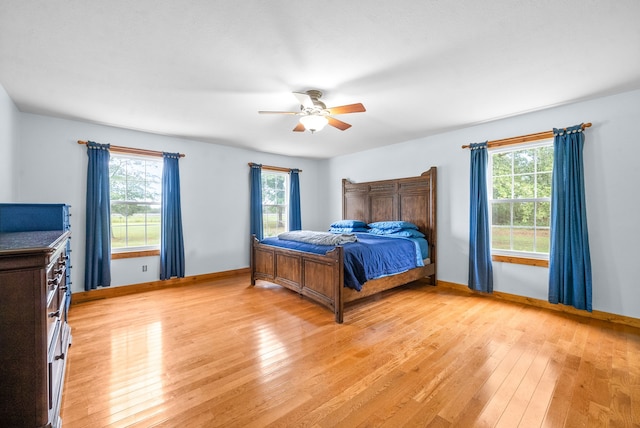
[410,199]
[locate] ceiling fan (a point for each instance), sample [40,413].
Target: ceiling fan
[314,114]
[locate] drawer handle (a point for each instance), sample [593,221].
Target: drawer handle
[54,314]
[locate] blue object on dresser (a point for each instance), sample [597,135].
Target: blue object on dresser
[34,217]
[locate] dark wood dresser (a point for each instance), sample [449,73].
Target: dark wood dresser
[34,334]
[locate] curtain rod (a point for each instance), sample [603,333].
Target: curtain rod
[273,168]
[132,151]
[523,138]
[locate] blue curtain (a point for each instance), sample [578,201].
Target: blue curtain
[97,266]
[480,267]
[569,257]
[295,217]
[255,205]
[171,239]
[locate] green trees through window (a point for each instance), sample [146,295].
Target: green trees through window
[135,192]
[520,198]
[275,202]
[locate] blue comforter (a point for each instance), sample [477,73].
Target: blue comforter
[371,257]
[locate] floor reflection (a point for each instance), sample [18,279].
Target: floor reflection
[270,348]
[136,368]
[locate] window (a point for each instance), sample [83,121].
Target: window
[520,199]
[135,193]
[275,202]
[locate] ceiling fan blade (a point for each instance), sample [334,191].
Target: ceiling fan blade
[338,123]
[304,99]
[278,112]
[350,108]
[299,128]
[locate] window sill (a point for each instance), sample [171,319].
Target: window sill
[520,260]
[132,254]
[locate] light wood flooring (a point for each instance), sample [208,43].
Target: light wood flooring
[226,354]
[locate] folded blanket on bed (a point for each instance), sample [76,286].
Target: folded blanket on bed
[318,238]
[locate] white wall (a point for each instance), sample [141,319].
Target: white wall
[214,182]
[9,139]
[611,176]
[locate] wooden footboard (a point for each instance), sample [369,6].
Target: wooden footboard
[319,277]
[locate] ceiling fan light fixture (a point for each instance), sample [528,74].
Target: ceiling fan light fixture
[314,122]
[314,114]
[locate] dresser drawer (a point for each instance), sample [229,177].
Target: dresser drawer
[56,363]
[53,314]
[56,369]
[55,292]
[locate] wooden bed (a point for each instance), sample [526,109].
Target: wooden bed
[321,277]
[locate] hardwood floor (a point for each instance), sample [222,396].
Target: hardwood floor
[225,354]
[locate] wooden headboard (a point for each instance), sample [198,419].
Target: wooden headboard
[410,199]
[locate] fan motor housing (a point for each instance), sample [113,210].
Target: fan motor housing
[315,96]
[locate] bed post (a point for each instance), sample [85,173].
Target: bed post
[339,293]
[252,256]
[433,210]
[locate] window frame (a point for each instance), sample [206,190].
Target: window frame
[286,205]
[140,250]
[516,256]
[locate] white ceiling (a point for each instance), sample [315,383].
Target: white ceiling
[202,69]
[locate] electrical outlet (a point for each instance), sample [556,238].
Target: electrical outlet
[144,268]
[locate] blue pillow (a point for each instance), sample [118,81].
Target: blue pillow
[393,225]
[408,233]
[348,229]
[377,231]
[349,223]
